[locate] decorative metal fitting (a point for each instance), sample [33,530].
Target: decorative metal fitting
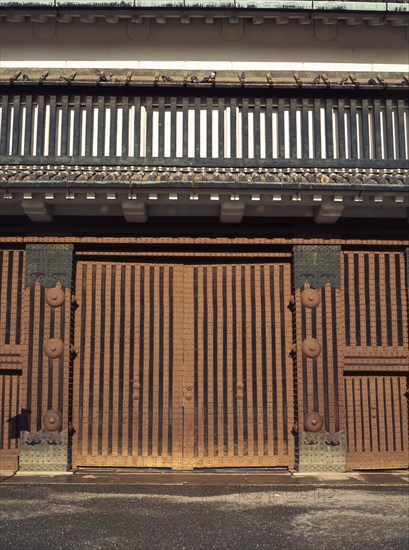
[52,421]
[53,348]
[311,348]
[310,297]
[55,296]
[313,422]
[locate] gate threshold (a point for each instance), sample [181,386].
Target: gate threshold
[212,478]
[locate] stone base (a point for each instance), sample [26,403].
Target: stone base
[44,451]
[321,452]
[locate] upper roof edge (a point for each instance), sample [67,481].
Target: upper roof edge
[271,5]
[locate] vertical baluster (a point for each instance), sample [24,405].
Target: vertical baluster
[353,132]
[185,139]
[365,130]
[77,126]
[113,130]
[245,128]
[209,127]
[149,126]
[317,130]
[173,126]
[233,127]
[281,134]
[376,129]
[197,127]
[40,126]
[341,129]
[125,126]
[29,126]
[137,127]
[101,127]
[401,129]
[15,148]
[389,153]
[221,114]
[89,125]
[257,137]
[53,126]
[293,128]
[64,125]
[269,128]
[4,125]
[161,129]
[328,129]
[305,135]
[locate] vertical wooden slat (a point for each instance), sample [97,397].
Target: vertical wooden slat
[365,129]
[376,129]
[64,125]
[77,126]
[197,111]
[269,128]
[305,129]
[125,126]
[89,125]
[329,139]
[353,131]
[293,128]
[317,131]
[4,136]
[257,136]
[53,126]
[149,126]
[15,149]
[101,127]
[161,130]
[221,126]
[233,127]
[281,133]
[401,129]
[245,128]
[113,127]
[173,126]
[390,152]
[341,129]
[28,126]
[209,127]
[185,127]
[40,125]
[137,127]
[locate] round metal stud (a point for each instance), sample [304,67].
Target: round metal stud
[310,297]
[52,421]
[54,347]
[311,348]
[313,422]
[55,296]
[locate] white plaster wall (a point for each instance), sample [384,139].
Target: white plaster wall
[197,45]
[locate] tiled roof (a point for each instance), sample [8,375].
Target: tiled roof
[331,5]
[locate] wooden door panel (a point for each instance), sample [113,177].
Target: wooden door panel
[183,366]
[125,393]
[377,421]
[238,393]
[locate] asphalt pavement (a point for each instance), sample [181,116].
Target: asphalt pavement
[117,511]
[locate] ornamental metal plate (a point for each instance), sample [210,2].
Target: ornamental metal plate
[49,264]
[316,265]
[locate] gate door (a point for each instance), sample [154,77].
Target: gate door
[183,366]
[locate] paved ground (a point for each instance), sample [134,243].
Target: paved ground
[115,511]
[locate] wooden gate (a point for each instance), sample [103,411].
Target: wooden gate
[183,366]
[376,359]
